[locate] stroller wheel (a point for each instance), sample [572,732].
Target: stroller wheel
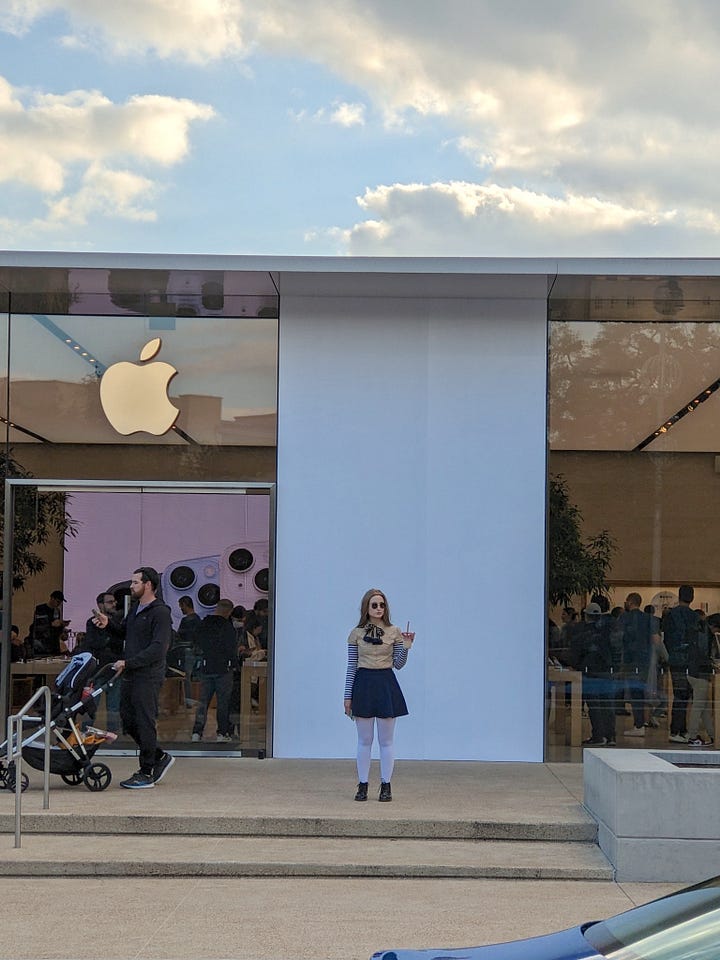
[97,776]
[3,777]
[72,779]
[10,779]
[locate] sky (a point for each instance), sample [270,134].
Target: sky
[361,127]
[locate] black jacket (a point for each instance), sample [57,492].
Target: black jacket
[218,645]
[147,638]
[104,645]
[592,647]
[188,632]
[636,629]
[681,629]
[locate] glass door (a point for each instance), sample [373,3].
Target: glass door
[211,547]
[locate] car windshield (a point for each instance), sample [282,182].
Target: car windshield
[683,926]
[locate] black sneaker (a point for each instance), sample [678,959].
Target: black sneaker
[162,766]
[138,781]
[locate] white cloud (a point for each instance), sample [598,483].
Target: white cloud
[52,139]
[531,82]
[470,219]
[602,112]
[348,114]
[111,193]
[196,30]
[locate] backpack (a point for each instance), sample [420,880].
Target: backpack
[684,635]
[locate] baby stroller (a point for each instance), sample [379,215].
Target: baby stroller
[77,690]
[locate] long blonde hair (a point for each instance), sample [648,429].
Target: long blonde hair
[365,607]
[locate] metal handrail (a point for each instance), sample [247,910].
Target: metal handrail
[14,753]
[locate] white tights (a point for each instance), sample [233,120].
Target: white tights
[385,730]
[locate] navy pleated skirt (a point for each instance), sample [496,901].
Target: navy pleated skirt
[376,693]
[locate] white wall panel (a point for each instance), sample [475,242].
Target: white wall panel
[411,446]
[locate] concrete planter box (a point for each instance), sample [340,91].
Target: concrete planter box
[657,821]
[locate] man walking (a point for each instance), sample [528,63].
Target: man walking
[147,630]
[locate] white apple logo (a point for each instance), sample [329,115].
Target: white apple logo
[134,395]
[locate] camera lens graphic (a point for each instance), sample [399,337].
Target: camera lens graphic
[208,594]
[261,579]
[240,560]
[182,577]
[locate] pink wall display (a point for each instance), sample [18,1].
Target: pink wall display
[205,545]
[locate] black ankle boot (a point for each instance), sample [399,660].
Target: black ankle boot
[361,791]
[385,793]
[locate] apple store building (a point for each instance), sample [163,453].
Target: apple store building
[494,444]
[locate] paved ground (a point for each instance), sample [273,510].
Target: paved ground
[254,919]
[422,791]
[292,919]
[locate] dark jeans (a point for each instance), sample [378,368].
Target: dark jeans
[636,689]
[221,686]
[188,665]
[682,695]
[139,711]
[112,705]
[599,695]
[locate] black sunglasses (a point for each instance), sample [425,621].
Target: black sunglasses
[374,606]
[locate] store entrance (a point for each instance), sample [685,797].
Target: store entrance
[209,542]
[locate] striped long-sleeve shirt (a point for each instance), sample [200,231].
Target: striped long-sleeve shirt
[390,653]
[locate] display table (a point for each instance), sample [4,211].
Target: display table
[715,694]
[252,670]
[560,681]
[26,677]
[48,667]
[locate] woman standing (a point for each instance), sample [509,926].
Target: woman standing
[372,693]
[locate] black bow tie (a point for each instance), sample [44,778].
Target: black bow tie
[374,635]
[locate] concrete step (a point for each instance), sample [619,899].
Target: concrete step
[52,855]
[582,829]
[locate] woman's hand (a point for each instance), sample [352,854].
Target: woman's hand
[348,708]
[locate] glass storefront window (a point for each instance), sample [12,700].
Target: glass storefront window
[150,377]
[633,418]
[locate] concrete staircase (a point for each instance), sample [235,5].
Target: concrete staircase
[177,830]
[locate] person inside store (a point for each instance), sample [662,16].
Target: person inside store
[702,657]
[20,650]
[237,619]
[254,650]
[146,631]
[218,653]
[593,653]
[48,625]
[106,646]
[254,627]
[638,638]
[188,644]
[375,649]
[569,624]
[261,611]
[680,626]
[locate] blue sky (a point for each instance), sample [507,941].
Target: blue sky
[391,127]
